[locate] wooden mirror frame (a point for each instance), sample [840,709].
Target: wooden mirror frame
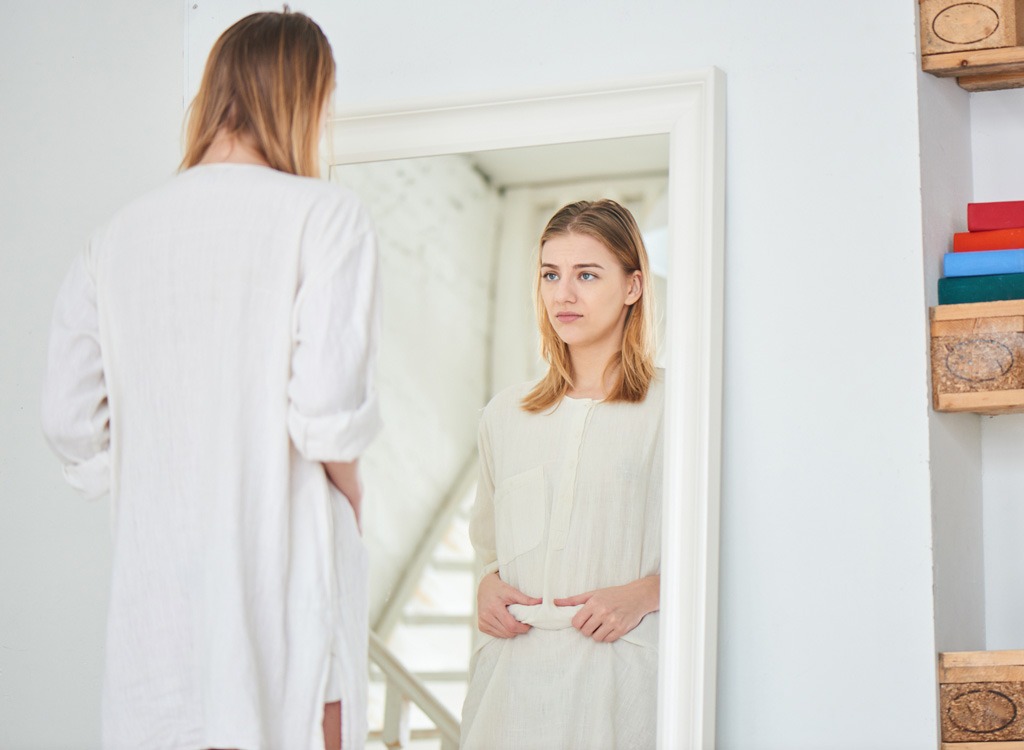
[690,108]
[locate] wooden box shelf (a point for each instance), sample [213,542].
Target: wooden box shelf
[981,700]
[957,26]
[977,355]
[979,70]
[980,43]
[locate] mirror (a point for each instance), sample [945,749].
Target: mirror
[457,232]
[458,237]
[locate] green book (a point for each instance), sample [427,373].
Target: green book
[955,290]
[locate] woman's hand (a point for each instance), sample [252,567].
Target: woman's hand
[608,614]
[492,600]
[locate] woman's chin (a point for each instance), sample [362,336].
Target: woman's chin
[570,337]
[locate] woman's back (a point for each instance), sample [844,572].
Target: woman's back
[197,286]
[234,308]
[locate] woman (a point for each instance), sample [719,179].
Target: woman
[210,365]
[567,519]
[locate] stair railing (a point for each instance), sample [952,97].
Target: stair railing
[403,689]
[410,578]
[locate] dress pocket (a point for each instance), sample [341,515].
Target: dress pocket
[519,514]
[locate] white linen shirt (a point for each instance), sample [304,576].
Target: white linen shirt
[214,343]
[569,501]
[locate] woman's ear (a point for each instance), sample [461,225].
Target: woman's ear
[636,288]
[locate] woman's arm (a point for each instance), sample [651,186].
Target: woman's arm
[332,413]
[75,412]
[608,614]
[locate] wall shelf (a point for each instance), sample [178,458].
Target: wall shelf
[979,70]
[977,354]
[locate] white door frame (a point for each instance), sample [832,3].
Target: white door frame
[690,108]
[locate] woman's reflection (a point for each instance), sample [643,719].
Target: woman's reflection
[567,519]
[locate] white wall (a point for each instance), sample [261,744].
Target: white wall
[92,102]
[955,439]
[826,626]
[997,127]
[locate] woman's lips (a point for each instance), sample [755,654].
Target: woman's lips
[567,317]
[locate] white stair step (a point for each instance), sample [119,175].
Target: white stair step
[422,618]
[454,565]
[414,735]
[451,676]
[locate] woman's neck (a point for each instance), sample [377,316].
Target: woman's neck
[233,148]
[592,376]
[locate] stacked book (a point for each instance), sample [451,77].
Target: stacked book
[987,262]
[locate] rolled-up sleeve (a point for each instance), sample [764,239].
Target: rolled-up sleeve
[75,412]
[333,413]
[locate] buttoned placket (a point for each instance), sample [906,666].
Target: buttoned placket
[565,494]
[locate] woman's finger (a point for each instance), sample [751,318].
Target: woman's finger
[589,612]
[590,624]
[500,624]
[572,601]
[515,596]
[599,633]
[498,630]
[511,624]
[605,634]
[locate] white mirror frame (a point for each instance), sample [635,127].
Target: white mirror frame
[690,108]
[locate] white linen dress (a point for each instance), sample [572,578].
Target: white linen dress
[568,501]
[211,347]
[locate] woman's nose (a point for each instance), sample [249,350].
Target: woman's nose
[565,292]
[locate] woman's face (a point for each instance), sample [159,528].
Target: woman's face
[585,290]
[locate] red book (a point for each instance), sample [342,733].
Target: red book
[982,217]
[997,239]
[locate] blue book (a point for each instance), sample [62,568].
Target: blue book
[983,263]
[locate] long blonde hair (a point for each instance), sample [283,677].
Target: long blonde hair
[269,76]
[614,227]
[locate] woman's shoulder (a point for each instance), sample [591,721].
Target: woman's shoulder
[249,183]
[508,400]
[315,188]
[248,198]
[255,181]
[315,196]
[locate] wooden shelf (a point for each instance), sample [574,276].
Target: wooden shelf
[977,355]
[979,70]
[981,697]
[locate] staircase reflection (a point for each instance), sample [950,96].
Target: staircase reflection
[421,644]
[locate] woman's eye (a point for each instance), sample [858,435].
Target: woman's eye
[550,276]
[587,276]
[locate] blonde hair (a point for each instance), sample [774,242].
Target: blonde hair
[269,76]
[614,227]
